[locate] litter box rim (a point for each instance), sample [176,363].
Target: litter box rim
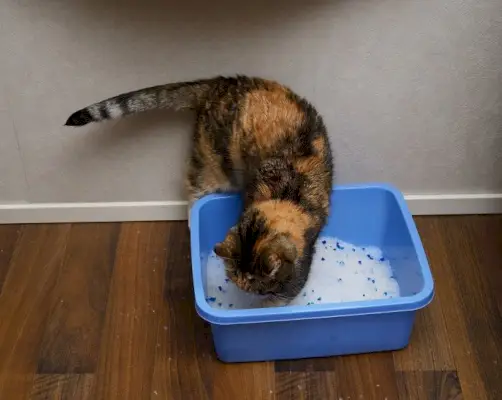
[315,311]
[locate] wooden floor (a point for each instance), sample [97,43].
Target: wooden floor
[105,311]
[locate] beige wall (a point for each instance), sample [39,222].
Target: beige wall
[410,90]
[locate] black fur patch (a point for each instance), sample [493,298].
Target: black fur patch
[79,118]
[103,111]
[251,228]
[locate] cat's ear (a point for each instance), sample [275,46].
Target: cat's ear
[230,247]
[282,252]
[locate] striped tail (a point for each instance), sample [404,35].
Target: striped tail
[175,96]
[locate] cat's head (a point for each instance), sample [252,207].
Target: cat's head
[261,252]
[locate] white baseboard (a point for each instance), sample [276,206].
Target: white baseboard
[93,212]
[455,204]
[20,213]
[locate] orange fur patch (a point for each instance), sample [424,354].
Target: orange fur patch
[285,217]
[269,116]
[262,192]
[212,176]
[308,165]
[320,145]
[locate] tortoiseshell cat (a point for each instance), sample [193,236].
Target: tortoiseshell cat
[258,137]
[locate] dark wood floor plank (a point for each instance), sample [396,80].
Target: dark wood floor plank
[479,300]
[152,344]
[184,357]
[9,235]
[63,387]
[129,335]
[305,365]
[429,385]
[487,232]
[72,339]
[438,251]
[178,272]
[447,272]
[366,376]
[429,347]
[248,381]
[25,304]
[473,274]
[310,385]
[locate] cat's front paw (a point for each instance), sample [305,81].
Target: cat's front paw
[273,302]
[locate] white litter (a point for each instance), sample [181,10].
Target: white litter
[340,272]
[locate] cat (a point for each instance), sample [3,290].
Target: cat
[258,137]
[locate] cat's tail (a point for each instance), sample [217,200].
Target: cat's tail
[175,96]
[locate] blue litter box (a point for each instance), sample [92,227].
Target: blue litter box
[365,215]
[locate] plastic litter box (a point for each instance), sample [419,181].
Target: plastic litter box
[365,215]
